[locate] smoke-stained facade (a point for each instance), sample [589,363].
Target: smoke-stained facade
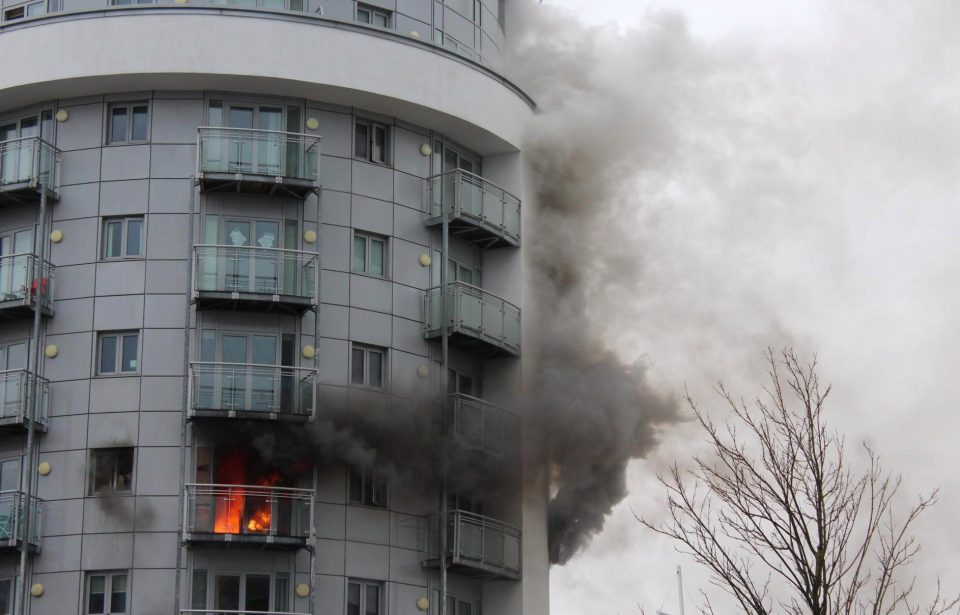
[262,299]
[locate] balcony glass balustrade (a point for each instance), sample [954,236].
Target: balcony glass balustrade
[258,161]
[13,511]
[475,318]
[279,516]
[478,425]
[28,165]
[17,387]
[250,391]
[478,545]
[20,281]
[479,211]
[258,279]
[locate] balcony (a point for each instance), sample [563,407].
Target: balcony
[479,546]
[227,515]
[480,211]
[477,319]
[12,516]
[255,279]
[250,391]
[479,426]
[16,394]
[28,167]
[235,612]
[19,282]
[258,161]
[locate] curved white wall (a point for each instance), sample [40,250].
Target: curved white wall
[175,48]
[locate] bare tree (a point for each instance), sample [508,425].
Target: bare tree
[782,521]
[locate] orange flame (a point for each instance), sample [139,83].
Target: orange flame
[237,510]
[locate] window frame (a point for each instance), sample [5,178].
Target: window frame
[373,11]
[368,241]
[367,351]
[130,107]
[118,350]
[110,455]
[371,127]
[124,235]
[362,606]
[108,590]
[370,487]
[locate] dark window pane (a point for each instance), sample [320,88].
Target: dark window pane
[362,141]
[6,593]
[380,19]
[129,353]
[118,594]
[198,599]
[376,257]
[376,368]
[258,593]
[355,487]
[353,599]
[118,125]
[359,254]
[113,239]
[124,460]
[373,600]
[108,354]
[139,131]
[102,472]
[95,600]
[363,15]
[356,367]
[134,237]
[378,144]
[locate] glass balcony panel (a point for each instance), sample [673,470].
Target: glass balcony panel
[471,541]
[27,162]
[255,389]
[493,546]
[13,511]
[248,510]
[267,272]
[475,313]
[492,320]
[483,544]
[269,153]
[480,210]
[471,309]
[16,393]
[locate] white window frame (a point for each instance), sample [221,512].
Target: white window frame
[373,489]
[111,457]
[279,600]
[124,221]
[109,578]
[364,584]
[372,128]
[27,9]
[129,106]
[368,240]
[372,12]
[368,381]
[119,338]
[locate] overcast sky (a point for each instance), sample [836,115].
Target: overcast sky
[808,197]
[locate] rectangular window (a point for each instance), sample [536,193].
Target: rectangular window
[369,254]
[106,593]
[366,488]
[117,352]
[364,597]
[367,365]
[373,16]
[6,596]
[371,141]
[128,123]
[122,237]
[111,470]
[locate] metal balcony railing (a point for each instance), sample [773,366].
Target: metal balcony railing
[16,396]
[473,314]
[229,612]
[481,544]
[249,513]
[20,280]
[12,517]
[25,164]
[258,160]
[251,391]
[480,425]
[264,275]
[479,210]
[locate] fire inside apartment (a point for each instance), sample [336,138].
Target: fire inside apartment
[261,286]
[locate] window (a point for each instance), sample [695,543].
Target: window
[25,10]
[369,254]
[123,237]
[128,123]
[363,597]
[234,590]
[458,271]
[111,470]
[374,16]
[363,487]
[455,606]
[6,596]
[367,366]
[106,593]
[371,141]
[117,352]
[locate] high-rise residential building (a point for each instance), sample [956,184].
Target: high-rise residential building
[260,311]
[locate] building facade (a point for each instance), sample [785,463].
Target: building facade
[261,292]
